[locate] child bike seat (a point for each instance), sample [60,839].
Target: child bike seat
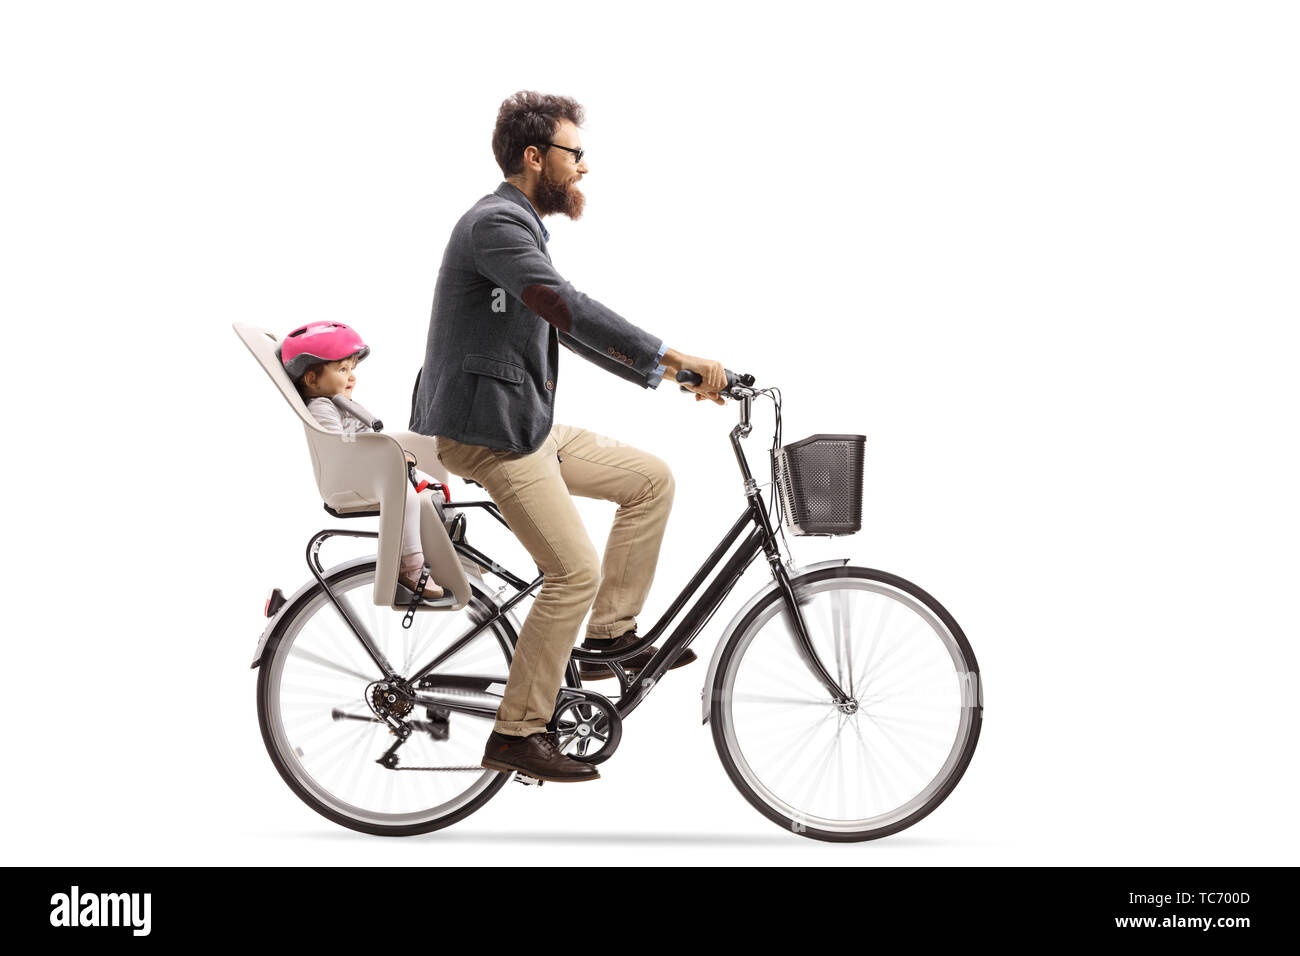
[366,472]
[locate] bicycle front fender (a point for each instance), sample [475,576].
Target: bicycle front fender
[706,695]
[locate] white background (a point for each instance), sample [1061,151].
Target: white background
[1042,254]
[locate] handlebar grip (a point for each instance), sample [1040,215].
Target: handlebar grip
[695,378]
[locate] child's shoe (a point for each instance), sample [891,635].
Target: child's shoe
[411,580]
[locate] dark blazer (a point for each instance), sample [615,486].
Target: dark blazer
[500,312]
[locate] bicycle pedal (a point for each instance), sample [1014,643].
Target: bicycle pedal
[526,780]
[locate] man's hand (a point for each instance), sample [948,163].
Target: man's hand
[713,375]
[702,392]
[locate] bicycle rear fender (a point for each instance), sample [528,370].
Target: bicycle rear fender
[299,595]
[706,695]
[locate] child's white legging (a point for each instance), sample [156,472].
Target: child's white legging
[412,549]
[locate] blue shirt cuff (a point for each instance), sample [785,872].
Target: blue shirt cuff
[657,375]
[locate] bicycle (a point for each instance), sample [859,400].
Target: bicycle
[845,702]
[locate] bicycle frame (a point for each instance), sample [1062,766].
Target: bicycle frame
[761,538]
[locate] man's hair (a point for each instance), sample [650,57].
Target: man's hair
[529,119]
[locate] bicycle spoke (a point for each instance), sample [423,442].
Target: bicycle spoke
[424,645]
[866,765]
[322,703]
[390,784]
[882,779]
[899,641]
[809,688]
[915,695]
[875,637]
[841,790]
[822,760]
[359,757]
[313,730]
[908,757]
[936,730]
[771,699]
[344,752]
[324,662]
[326,697]
[801,737]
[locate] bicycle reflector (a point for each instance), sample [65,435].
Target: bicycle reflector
[274,601]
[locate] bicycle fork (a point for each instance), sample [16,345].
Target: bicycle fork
[802,640]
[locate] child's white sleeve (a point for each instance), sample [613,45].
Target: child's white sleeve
[333,419]
[324,411]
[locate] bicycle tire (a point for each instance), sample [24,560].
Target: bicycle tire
[954,643]
[279,747]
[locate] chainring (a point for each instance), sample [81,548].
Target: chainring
[586,726]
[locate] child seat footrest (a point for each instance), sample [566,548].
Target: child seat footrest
[404,596]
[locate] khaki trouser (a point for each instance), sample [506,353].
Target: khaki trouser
[533,492]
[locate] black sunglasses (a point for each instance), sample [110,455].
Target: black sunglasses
[577,153]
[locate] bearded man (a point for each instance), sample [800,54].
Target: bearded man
[487,391]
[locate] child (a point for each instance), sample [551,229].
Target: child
[321,358]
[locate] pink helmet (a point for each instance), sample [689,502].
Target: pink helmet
[319,342]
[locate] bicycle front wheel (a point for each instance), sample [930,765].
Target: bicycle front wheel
[326,741]
[876,763]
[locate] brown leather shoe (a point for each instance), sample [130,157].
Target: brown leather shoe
[536,755]
[590,670]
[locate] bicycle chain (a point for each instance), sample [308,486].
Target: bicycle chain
[435,768]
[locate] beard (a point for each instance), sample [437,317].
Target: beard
[553,197]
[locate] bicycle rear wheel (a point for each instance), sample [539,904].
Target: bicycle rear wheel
[884,759]
[325,740]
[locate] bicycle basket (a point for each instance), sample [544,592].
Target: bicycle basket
[819,480]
